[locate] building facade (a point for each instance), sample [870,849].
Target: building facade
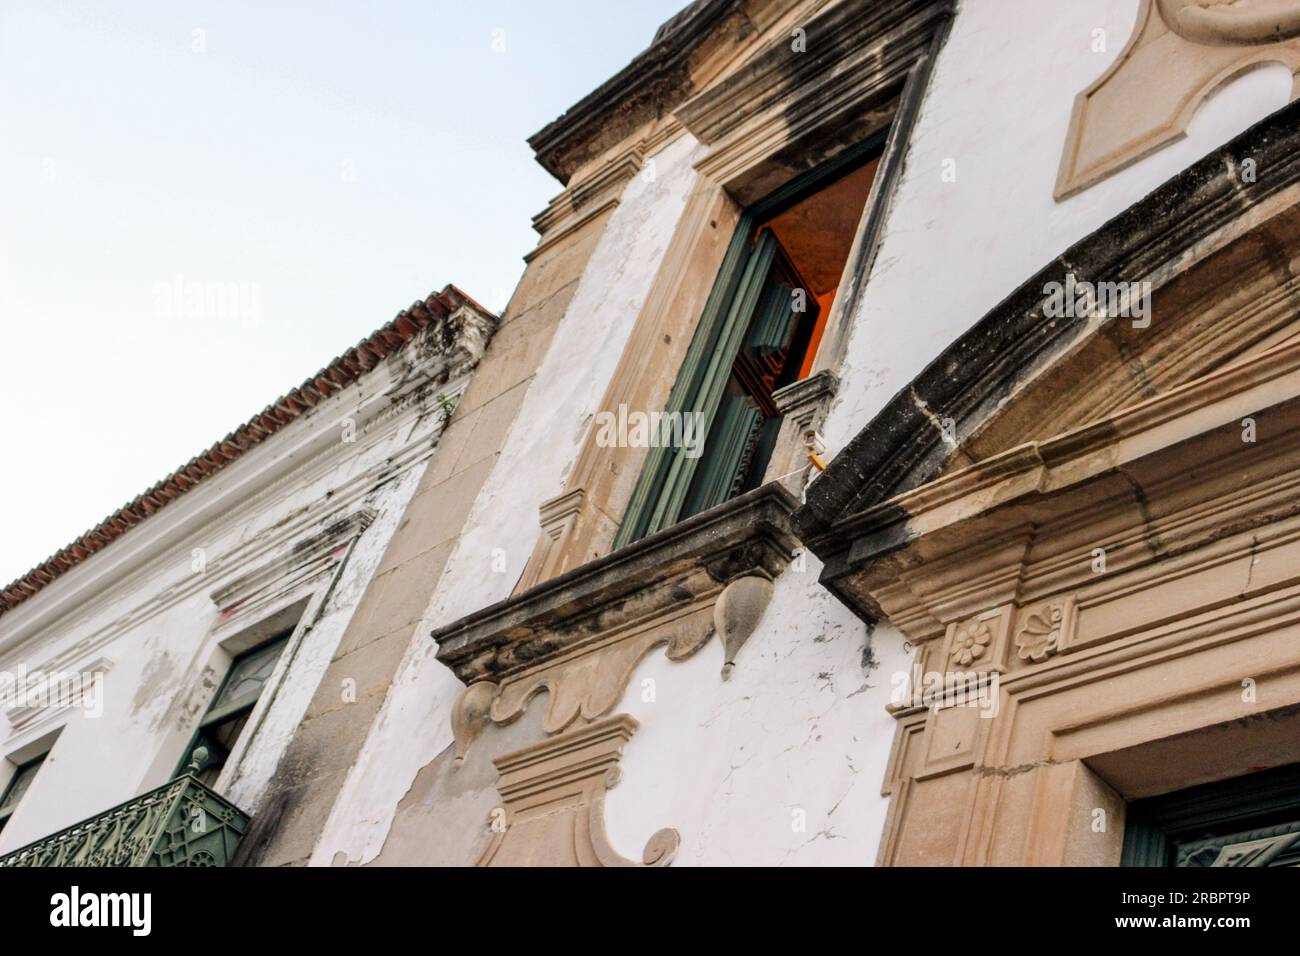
[163,661]
[886,457]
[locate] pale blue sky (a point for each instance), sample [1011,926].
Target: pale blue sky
[329,162]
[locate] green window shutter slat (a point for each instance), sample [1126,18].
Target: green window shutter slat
[774,321]
[713,380]
[650,483]
[722,471]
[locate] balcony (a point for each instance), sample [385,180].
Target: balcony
[182,823]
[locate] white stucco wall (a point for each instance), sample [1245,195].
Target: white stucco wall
[779,765]
[801,725]
[143,608]
[414,724]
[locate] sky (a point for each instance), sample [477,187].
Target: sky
[201,203]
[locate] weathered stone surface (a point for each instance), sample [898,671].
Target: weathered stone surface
[746,536]
[974,377]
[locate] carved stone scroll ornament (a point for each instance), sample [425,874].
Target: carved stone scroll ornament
[1181,51]
[471,715]
[589,686]
[578,638]
[586,686]
[554,802]
[1226,22]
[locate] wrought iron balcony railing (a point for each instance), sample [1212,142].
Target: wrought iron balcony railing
[182,823]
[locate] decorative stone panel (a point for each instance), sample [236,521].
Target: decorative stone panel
[554,802]
[1181,51]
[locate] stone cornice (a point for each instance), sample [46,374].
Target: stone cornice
[583,201]
[748,537]
[1043,468]
[1115,482]
[655,80]
[249,596]
[857,55]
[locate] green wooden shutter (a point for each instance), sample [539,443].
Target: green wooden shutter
[750,305]
[713,381]
[735,432]
[643,515]
[774,320]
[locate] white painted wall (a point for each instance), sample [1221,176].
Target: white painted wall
[779,765]
[141,606]
[801,725]
[414,724]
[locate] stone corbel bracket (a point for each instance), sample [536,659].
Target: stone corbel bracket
[1180,52]
[580,636]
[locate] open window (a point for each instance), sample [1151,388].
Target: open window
[758,333]
[227,715]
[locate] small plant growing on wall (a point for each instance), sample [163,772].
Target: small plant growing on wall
[446,406]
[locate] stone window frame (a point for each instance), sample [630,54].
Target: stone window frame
[32,764]
[283,596]
[288,619]
[216,715]
[762,126]
[657,499]
[22,757]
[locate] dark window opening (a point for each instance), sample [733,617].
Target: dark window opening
[18,785]
[1250,821]
[230,709]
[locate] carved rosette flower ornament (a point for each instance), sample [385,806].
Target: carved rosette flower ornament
[970,643]
[1040,636]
